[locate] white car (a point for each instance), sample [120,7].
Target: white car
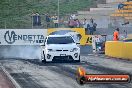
[59,47]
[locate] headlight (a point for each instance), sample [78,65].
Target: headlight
[74,49]
[49,50]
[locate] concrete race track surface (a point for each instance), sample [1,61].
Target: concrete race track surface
[4,81]
[33,74]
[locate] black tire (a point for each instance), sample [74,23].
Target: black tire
[78,60]
[43,57]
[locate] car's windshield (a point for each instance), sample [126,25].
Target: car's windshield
[60,40]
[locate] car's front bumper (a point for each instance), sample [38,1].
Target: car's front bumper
[50,56]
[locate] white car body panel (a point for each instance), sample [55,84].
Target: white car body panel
[60,50]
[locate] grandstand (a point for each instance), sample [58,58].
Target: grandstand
[102,16]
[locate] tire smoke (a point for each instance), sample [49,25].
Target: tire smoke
[24,52]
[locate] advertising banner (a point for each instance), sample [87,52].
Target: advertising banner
[22,36]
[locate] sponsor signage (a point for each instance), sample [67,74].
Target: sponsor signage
[22,36]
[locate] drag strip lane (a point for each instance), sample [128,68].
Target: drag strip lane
[69,70]
[25,73]
[57,75]
[25,80]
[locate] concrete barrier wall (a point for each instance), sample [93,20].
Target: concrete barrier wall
[113,49]
[127,50]
[129,35]
[96,13]
[119,49]
[107,5]
[102,9]
[115,1]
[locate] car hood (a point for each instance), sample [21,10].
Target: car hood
[61,46]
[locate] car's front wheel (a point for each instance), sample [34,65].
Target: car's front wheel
[43,60]
[78,60]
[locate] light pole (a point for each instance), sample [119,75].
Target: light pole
[32,21]
[5,24]
[58,12]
